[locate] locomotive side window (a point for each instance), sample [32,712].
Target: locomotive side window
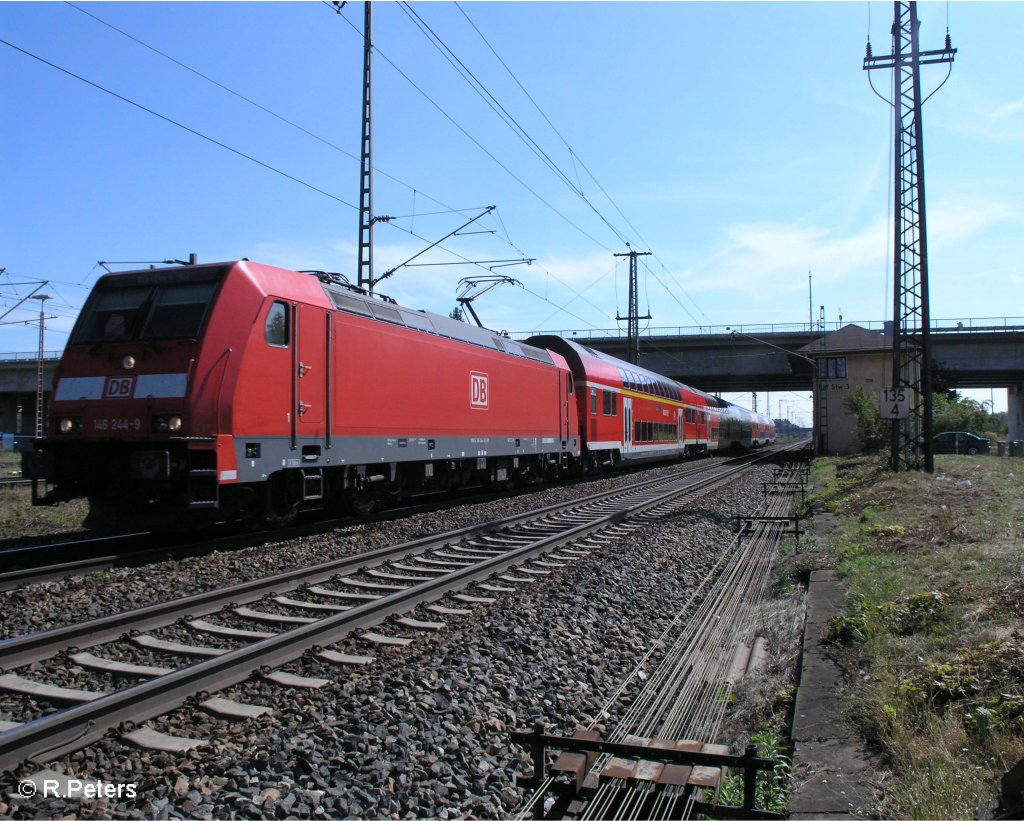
[276,329]
[568,383]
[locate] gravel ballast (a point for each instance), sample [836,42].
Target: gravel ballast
[424,730]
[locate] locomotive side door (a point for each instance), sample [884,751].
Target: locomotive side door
[310,372]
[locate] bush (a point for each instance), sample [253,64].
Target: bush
[869,428]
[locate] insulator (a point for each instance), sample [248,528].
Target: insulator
[867,51]
[949,43]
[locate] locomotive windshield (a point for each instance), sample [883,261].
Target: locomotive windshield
[168,304]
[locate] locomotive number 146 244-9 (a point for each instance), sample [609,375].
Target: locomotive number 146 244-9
[115,424]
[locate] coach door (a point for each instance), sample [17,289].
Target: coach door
[627,424]
[311,375]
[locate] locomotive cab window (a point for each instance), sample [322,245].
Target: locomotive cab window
[112,316]
[276,328]
[159,304]
[178,312]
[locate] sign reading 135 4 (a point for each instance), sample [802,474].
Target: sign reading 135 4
[895,403]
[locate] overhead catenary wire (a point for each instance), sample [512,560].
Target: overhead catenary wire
[257,105]
[220,144]
[577,159]
[250,101]
[441,110]
[576,293]
[503,113]
[261,107]
[178,124]
[452,120]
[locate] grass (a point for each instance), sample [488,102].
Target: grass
[17,516]
[772,792]
[930,634]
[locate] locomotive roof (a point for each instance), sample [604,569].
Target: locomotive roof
[346,298]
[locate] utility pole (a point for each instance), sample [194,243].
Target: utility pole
[365,264]
[633,326]
[810,302]
[39,364]
[911,438]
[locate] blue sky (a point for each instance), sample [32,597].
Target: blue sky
[740,143]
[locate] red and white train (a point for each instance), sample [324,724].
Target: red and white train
[238,390]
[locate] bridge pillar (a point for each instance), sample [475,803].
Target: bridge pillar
[1015,412]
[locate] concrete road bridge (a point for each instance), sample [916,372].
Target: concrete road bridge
[969,353]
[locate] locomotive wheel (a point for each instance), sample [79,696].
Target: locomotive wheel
[363,502]
[284,495]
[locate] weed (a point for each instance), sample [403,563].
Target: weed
[933,565]
[784,585]
[772,792]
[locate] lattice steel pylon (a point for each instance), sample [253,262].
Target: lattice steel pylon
[633,318]
[365,262]
[911,363]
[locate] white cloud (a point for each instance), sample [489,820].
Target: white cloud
[773,258]
[763,266]
[1008,109]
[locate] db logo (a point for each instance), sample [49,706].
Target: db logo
[119,387]
[479,395]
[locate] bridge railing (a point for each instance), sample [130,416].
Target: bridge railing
[970,325]
[29,356]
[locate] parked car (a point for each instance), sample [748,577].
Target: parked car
[958,441]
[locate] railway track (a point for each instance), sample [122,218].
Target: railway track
[682,703]
[36,563]
[44,562]
[303,611]
[14,482]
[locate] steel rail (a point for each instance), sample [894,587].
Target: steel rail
[51,736]
[683,695]
[19,651]
[37,571]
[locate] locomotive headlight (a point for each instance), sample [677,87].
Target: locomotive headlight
[128,362]
[70,424]
[167,424]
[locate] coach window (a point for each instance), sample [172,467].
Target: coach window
[593,401]
[276,329]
